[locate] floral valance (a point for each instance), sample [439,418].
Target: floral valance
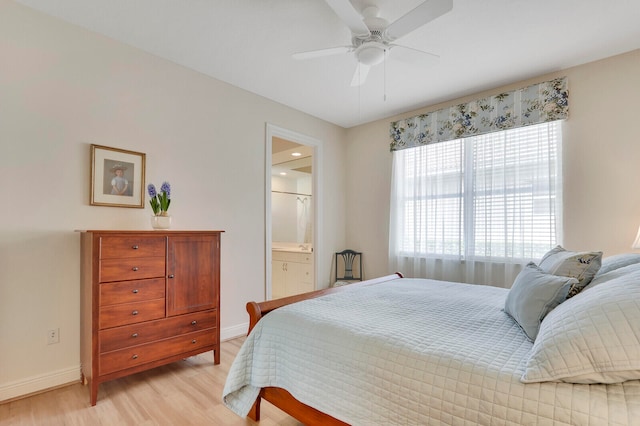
[538,103]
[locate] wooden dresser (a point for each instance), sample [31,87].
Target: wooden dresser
[148,298]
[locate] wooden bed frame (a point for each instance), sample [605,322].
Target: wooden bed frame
[278,396]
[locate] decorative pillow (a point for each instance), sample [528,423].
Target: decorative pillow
[591,338]
[618,261]
[533,295]
[580,265]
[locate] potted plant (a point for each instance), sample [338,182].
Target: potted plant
[160,202]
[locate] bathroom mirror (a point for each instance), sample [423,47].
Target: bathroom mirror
[291,194]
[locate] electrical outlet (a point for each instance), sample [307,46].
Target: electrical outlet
[53,336]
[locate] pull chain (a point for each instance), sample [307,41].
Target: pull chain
[359,92]
[385,76]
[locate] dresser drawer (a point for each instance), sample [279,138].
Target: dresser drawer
[131,269]
[118,247]
[287,256]
[141,354]
[131,291]
[130,313]
[137,334]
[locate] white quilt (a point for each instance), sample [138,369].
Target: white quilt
[414,351]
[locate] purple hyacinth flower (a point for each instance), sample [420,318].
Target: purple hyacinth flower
[166,188]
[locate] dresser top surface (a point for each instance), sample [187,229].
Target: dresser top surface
[150,232]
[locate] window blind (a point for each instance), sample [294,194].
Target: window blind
[490,197]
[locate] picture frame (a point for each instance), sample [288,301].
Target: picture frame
[117,177]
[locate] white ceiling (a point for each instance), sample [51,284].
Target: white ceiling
[482,44]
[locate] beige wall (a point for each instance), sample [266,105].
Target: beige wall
[62,89]
[601,160]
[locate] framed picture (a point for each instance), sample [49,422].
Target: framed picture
[117,177]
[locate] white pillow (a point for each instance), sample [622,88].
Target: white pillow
[533,295]
[618,261]
[593,337]
[612,274]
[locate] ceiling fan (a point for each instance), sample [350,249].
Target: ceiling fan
[372,37]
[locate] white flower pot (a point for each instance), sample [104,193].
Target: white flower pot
[161,222]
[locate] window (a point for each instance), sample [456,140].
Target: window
[490,197]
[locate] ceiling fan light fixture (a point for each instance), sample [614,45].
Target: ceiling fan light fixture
[370,54]
[372,36]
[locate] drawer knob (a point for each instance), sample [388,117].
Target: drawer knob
[135,356]
[194,322]
[135,291]
[134,335]
[171,275]
[193,341]
[135,247]
[135,268]
[134,313]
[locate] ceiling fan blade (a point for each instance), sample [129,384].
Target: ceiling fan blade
[427,11]
[322,52]
[412,56]
[346,12]
[360,75]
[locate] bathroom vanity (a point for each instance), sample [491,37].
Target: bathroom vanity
[291,269]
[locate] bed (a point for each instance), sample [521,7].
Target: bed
[400,350]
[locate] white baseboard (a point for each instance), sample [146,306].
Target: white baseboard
[233,332]
[39,383]
[65,376]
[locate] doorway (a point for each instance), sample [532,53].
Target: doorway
[292,222]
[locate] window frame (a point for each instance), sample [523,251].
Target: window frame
[467,224]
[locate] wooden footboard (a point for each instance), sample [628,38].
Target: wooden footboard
[278,396]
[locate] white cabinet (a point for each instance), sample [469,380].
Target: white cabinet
[278,279]
[291,273]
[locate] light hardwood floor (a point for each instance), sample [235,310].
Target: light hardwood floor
[187,392]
